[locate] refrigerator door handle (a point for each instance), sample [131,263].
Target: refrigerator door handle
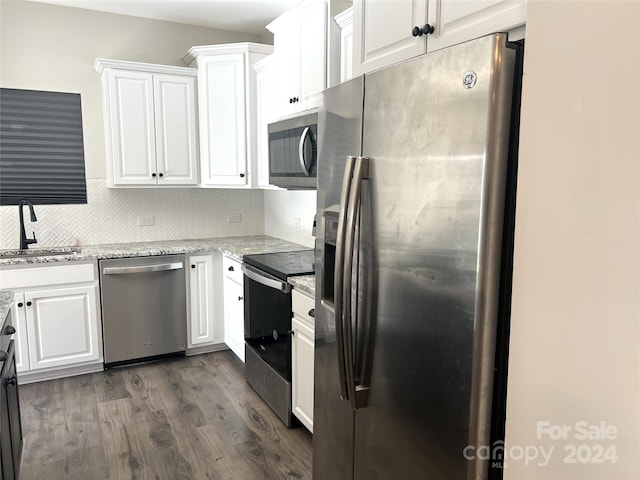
[357,394]
[339,277]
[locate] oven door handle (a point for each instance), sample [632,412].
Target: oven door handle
[265,279]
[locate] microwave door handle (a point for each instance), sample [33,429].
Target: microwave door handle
[303,164]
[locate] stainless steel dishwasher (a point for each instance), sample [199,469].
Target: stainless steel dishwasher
[144,311]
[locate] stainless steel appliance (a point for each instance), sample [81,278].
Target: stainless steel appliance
[11,439]
[414,259]
[144,311]
[267,324]
[293,152]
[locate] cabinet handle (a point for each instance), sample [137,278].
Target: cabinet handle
[9,330]
[231,269]
[242,175]
[312,313]
[28,304]
[12,380]
[193,266]
[161,174]
[20,304]
[426,30]
[240,298]
[153,175]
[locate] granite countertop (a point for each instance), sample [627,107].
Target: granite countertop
[305,283]
[6,298]
[234,247]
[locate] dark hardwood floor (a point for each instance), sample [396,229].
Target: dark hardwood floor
[184,418]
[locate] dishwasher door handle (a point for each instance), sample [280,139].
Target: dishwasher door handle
[163,267]
[267,281]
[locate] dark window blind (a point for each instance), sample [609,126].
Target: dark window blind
[41,148]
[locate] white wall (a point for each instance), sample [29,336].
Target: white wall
[282,207]
[575,350]
[48,47]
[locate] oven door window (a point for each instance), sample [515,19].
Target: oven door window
[267,324]
[265,310]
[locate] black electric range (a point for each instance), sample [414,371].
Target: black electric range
[283,265]
[267,324]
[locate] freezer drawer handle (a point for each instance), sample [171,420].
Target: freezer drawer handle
[143,268]
[264,279]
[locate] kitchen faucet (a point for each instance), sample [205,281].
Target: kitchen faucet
[24,241]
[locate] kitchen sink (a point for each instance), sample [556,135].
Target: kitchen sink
[39,252]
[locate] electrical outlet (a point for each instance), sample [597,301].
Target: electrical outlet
[146,220]
[296,222]
[234,218]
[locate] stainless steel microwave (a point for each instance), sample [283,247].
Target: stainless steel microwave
[293,152]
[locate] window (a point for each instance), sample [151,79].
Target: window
[41,148]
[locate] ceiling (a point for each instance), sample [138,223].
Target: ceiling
[249,16]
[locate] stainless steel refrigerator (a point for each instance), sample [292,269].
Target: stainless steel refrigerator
[412,178]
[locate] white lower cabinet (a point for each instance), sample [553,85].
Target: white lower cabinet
[205,328]
[57,320]
[233,287]
[62,326]
[302,352]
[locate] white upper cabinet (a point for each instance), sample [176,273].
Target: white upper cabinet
[382,32]
[389,31]
[266,107]
[150,123]
[300,39]
[227,112]
[458,21]
[344,20]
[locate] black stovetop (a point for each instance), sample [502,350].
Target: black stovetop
[284,264]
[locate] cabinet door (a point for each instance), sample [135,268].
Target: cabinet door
[287,48]
[302,351]
[266,107]
[311,50]
[234,316]
[382,32]
[459,21]
[64,327]
[223,141]
[19,316]
[176,123]
[132,128]
[202,325]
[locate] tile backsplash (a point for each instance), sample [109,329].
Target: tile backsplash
[113,215]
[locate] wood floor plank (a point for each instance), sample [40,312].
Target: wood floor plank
[122,450]
[110,385]
[188,418]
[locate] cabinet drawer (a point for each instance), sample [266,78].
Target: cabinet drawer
[39,276]
[232,269]
[303,306]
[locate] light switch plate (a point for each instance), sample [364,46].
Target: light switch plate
[146,220]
